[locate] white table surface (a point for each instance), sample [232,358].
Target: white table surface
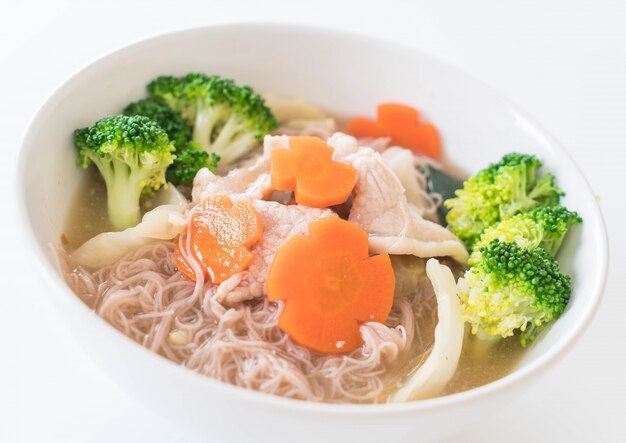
[564,61]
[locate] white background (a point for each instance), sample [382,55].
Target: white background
[564,61]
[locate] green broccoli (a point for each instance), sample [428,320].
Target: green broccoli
[497,192]
[132,154]
[513,288]
[555,221]
[227,119]
[168,119]
[190,157]
[188,162]
[543,227]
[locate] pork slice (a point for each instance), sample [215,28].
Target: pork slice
[380,207]
[404,163]
[253,181]
[280,223]
[249,181]
[343,144]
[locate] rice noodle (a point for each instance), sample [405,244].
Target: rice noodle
[145,297]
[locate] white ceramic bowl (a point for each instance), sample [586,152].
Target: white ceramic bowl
[347,74]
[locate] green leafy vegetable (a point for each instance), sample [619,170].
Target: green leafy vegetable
[438,182]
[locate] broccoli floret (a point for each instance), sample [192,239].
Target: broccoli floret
[168,119]
[190,157]
[541,227]
[546,192]
[555,221]
[227,119]
[188,162]
[132,154]
[497,192]
[513,288]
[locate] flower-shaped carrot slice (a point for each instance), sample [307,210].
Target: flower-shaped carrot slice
[401,123]
[221,235]
[330,285]
[308,169]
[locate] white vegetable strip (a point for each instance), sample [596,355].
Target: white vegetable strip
[162,223]
[433,376]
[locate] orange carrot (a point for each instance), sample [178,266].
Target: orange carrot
[330,285]
[221,235]
[308,169]
[362,127]
[401,123]
[426,137]
[393,114]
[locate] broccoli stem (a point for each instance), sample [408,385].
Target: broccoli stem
[123,193]
[202,128]
[484,343]
[234,141]
[207,120]
[123,204]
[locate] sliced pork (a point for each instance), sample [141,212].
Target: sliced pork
[380,207]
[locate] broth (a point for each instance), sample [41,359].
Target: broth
[479,366]
[88,211]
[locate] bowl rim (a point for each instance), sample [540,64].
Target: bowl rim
[518,376]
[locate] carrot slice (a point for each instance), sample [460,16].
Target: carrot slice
[394,114]
[283,169]
[221,235]
[362,127]
[308,169]
[401,123]
[330,285]
[426,137]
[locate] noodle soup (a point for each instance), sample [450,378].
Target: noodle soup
[303,259]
